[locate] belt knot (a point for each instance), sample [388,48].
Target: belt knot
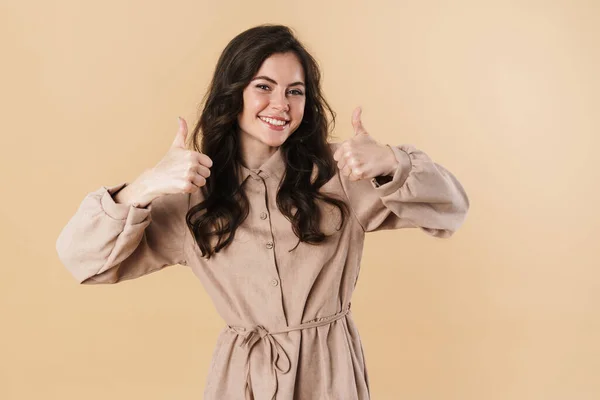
[278,358]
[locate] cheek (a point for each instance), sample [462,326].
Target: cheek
[299,109]
[250,106]
[254,105]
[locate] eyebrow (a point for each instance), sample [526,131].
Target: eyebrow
[266,78]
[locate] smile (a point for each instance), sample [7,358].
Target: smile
[274,123]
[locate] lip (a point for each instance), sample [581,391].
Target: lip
[274,117]
[276,127]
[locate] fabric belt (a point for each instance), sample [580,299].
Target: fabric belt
[276,351]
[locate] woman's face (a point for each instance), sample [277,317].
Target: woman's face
[273,101]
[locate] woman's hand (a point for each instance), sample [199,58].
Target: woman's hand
[362,157]
[180,170]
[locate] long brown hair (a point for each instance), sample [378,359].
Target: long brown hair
[225,206]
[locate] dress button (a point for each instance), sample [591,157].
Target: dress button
[269,245]
[263,215]
[274,282]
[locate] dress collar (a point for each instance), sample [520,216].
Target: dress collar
[274,167]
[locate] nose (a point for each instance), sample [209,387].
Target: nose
[280,102]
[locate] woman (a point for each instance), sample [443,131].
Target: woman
[271,218]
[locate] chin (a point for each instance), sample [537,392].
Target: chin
[274,142]
[274,139]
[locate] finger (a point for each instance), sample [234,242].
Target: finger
[204,159]
[202,170]
[189,187]
[338,153]
[353,177]
[181,135]
[342,152]
[349,160]
[356,173]
[346,171]
[357,122]
[199,180]
[353,162]
[342,158]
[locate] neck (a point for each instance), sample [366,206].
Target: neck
[253,152]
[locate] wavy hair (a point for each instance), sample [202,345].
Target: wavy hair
[225,205]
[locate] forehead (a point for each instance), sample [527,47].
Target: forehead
[282,67]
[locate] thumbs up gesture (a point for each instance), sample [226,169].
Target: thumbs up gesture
[362,157]
[180,170]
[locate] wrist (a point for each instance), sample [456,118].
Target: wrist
[144,190]
[138,193]
[392,161]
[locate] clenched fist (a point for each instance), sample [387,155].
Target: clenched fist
[180,170]
[362,157]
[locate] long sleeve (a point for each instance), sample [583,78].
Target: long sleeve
[106,242]
[421,194]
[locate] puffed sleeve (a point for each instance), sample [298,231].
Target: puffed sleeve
[106,242]
[420,194]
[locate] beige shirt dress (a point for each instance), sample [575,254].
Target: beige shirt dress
[289,330]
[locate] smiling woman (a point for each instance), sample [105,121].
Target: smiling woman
[265,172]
[264,102]
[273,107]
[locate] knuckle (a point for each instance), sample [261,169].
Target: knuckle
[187,187]
[188,176]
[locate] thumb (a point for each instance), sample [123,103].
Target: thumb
[357,123]
[181,135]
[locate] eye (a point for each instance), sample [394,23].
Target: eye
[296,92]
[262,86]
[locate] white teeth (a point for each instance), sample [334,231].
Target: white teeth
[274,121]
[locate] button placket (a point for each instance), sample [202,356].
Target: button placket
[272,279]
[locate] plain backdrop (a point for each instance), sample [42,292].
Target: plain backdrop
[502,93]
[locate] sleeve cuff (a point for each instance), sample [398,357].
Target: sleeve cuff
[122,211]
[386,185]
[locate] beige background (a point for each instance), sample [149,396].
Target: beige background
[505,94]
